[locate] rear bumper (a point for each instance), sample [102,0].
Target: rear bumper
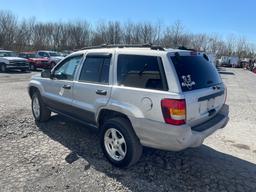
[175,138]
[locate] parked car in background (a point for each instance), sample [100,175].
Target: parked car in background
[212,58]
[229,61]
[254,65]
[245,63]
[254,69]
[224,61]
[53,56]
[35,61]
[10,61]
[234,61]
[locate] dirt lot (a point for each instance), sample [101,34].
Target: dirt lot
[62,155]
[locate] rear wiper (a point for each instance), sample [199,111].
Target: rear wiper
[209,82]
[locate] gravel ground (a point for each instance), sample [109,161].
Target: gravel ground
[62,155]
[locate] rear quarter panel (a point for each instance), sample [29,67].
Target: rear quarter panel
[144,103]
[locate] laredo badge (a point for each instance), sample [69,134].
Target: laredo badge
[187,82]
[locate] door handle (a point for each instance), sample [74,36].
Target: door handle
[101,92]
[66,86]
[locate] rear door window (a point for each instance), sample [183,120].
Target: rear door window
[141,71]
[195,72]
[96,69]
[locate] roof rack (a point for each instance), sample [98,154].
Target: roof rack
[185,48]
[153,47]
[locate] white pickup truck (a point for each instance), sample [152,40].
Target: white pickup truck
[10,61]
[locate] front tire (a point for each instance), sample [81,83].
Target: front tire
[40,111]
[32,67]
[25,70]
[119,142]
[3,68]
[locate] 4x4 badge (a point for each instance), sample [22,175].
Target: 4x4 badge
[187,81]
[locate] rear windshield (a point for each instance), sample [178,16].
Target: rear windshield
[195,72]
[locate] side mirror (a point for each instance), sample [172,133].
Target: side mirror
[46,74]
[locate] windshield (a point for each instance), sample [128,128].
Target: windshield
[28,55]
[54,54]
[8,54]
[195,72]
[31,55]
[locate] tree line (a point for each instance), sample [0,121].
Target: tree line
[30,34]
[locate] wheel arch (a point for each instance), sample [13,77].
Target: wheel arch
[34,86]
[106,113]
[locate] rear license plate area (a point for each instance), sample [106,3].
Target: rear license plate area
[210,104]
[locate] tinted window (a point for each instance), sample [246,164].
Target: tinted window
[105,71]
[195,72]
[66,69]
[95,69]
[141,71]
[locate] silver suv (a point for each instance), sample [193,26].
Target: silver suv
[136,96]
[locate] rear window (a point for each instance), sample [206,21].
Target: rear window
[96,69]
[195,72]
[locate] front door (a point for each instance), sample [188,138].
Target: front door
[59,89]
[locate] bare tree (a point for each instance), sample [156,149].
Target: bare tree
[174,35]
[8,25]
[231,44]
[29,34]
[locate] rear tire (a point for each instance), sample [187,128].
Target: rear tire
[124,149]
[39,110]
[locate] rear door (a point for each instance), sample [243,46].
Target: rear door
[92,89]
[201,85]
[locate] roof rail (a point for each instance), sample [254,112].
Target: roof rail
[153,47]
[185,48]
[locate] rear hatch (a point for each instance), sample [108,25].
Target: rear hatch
[200,84]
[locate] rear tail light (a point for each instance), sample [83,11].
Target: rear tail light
[174,111]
